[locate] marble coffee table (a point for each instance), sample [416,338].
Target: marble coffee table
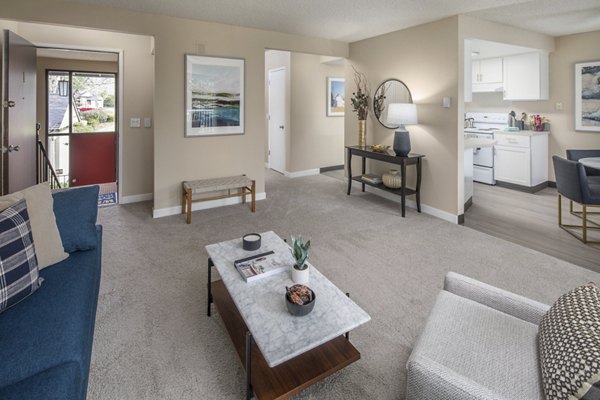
[282,354]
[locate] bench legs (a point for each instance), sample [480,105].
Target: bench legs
[253,204]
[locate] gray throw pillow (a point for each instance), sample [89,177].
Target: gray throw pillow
[569,346]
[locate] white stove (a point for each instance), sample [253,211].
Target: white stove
[484,125]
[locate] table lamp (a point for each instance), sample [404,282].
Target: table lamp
[401,114]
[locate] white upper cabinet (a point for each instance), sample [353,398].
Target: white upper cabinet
[526,77]
[487,75]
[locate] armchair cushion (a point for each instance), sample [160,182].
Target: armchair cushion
[569,345]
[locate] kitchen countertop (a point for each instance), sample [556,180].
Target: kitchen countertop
[521,133]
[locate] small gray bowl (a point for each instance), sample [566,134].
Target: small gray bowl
[297,310]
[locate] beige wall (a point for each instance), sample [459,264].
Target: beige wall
[569,50]
[44,64]
[317,140]
[426,59]
[175,157]
[138,90]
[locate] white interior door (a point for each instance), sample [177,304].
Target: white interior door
[277,129]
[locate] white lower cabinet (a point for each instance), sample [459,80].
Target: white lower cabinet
[521,159]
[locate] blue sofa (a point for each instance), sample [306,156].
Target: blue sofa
[46,340]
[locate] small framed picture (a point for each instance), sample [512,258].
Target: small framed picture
[214,96]
[587,96]
[335,97]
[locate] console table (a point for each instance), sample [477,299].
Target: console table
[389,157]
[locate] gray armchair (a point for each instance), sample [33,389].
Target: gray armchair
[573,183]
[479,343]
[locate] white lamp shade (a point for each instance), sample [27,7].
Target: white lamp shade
[401,114]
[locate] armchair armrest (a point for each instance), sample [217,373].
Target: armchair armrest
[498,299]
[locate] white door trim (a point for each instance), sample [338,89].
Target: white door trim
[268,163]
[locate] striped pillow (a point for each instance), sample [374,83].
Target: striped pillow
[18,264]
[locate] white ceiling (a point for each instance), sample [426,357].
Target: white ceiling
[352,20]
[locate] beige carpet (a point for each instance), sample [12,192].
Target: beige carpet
[153,339]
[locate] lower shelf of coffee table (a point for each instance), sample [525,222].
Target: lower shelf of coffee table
[293,376]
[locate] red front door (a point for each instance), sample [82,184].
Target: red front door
[93,158]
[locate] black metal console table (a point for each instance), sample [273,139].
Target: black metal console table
[389,157]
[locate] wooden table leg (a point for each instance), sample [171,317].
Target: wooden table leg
[244,195]
[419,184]
[183,199]
[253,196]
[189,205]
[349,152]
[403,195]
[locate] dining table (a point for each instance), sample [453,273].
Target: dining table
[591,162]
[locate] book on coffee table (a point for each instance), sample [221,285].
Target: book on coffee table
[258,266]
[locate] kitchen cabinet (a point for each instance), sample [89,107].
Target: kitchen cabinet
[526,76]
[521,158]
[487,75]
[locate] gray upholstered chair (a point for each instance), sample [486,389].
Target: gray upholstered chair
[576,155]
[573,183]
[479,343]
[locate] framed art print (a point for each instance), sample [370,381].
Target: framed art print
[214,96]
[335,97]
[587,96]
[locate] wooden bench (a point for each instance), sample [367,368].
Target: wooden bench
[201,186]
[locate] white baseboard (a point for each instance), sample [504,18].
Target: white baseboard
[203,205]
[298,174]
[136,198]
[436,212]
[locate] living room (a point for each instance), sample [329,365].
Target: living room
[152,338]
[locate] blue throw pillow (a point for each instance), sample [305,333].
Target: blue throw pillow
[76,211]
[19,275]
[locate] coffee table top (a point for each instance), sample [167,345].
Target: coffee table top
[279,335]
[592,162]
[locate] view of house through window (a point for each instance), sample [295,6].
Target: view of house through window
[78,103]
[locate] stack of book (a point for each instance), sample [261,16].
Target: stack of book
[372,178]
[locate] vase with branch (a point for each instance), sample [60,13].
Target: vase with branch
[360,105]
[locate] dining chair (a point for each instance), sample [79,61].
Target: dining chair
[572,183]
[576,155]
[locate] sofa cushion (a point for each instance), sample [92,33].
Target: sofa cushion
[569,342]
[76,211]
[55,328]
[483,349]
[48,244]
[19,276]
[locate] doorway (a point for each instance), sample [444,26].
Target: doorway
[277,118]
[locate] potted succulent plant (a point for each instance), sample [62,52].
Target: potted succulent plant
[300,250]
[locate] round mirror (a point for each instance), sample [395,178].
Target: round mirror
[390,91]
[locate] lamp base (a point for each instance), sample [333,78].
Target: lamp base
[401,143]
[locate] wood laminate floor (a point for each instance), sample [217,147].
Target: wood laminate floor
[531,220]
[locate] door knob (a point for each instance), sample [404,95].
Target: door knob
[12,148]
[280,126]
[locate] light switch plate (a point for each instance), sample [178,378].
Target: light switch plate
[134,123]
[147,122]
[559,106]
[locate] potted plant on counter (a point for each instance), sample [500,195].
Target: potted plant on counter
[300,250]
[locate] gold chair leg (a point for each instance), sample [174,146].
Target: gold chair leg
[584,216]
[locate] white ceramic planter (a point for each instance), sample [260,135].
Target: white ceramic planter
[300,276]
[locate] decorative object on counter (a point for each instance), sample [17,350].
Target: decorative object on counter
[335,97]
[360,105]
[390,91]
[372,178]
[300,300]
[251,242]
[587,96]
[512,119]
[380,148]
[539,123]
[300,251]
[402,114]
[392,179]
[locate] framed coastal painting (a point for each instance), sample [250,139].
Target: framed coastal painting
[587,96]
[214,96]
[335,97]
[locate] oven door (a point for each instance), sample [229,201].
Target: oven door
[483,156]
